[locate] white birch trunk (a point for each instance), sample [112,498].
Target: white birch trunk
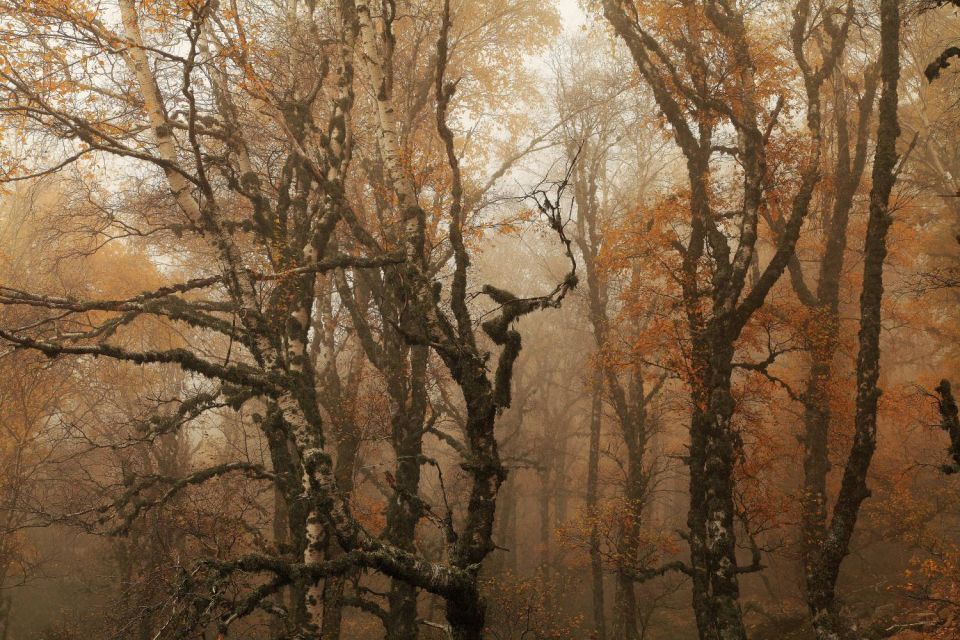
[139,64]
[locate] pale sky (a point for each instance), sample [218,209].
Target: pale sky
[572,14]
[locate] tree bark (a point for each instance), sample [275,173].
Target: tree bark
[404,510]
[824,339]
[825,570]
[592,500]
[949,422]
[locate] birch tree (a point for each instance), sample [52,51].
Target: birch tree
[241,118]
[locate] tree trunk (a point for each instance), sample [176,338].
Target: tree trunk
[631,413]
[714,448]
[404,510]
[593,476]
[466,616]
[348,448]
[506,530]
[544,500]
[825,569]
[289,523]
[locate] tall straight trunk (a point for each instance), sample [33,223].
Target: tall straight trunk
[333,587]
[625,609]
[466,612]
[550,498]
[825,569]
[629,407]
[625,597]
[6,603]
[289,517]
[507,508]
[511,527]
[544,504]
[631,412]
[714,448]
[404,510]
[593,476]
[506,530]
[588,241]
[281,540]
[560,488]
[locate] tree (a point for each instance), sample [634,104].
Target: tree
[253,136]
[698,101]
[823,337]
[600,110]
[854,490]
[279,341]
